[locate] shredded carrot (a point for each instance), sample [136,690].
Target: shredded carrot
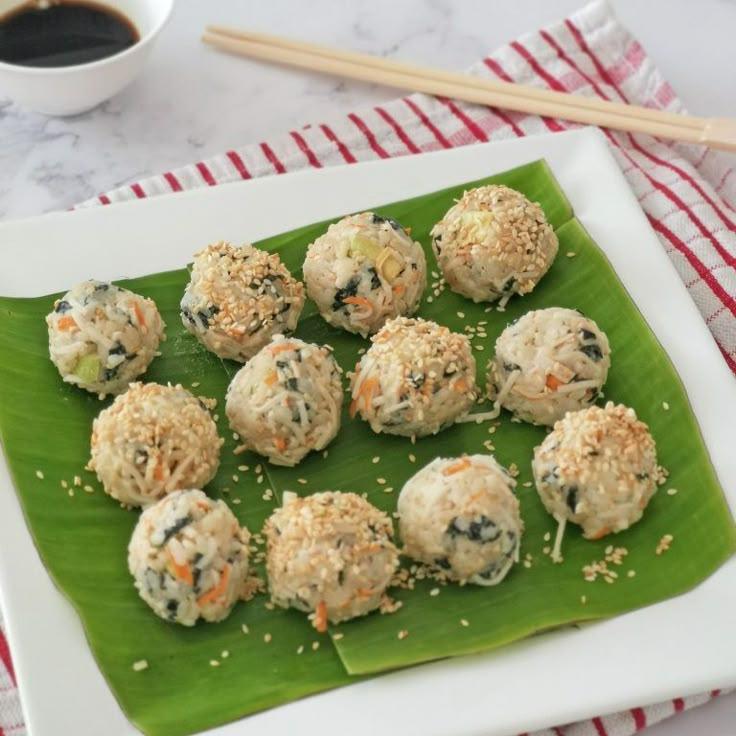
[203,505]
[407,230]
[271,378]
[398,289]
[183,572]
[67,323]
[360,301]
[460,386]
[600,533]
[218,590]
[353,408]
[552,382]
[158,471]
[457,467]
[280,443]
[139,315]
[281,348]
[320,617]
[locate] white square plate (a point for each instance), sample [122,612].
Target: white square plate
[675,648]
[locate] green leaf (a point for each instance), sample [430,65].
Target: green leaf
[82,538]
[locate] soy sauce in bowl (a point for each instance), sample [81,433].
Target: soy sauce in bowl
[60,33]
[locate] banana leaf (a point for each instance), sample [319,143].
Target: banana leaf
[82,538]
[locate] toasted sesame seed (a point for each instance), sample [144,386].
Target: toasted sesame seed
[259,469]
[259,479]
[434,592]
[243,468]
[665,406]
[225,653]
[315,646]
[402,634]
[39,474]
[236,478]
[376,459]
[430,299]
[214,663]
[478,347]
[269,606]
[464,622]
[388,489]
[237,501]
[77,481]
[244,628]
[631,573]
[267,638]
[64,484]
[195,384]
[412,458]
[89,489]
[664,544]
[325,454]
[583,599]
[461,315]
[339,635]
[303,481]
[547,536]
[571,254]
[381,481]
[672,491]
[527,484]
[527,563]
[140,665]
[300,649]
[71,491]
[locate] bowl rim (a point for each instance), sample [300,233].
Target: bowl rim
[37,71]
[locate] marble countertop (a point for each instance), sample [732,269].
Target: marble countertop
[193,102]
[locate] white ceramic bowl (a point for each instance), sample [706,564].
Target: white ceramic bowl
[73,89]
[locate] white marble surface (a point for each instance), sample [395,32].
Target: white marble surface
[193,102]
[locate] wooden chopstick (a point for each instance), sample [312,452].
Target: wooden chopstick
[714,132]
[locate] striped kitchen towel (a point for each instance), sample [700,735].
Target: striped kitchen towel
[687,192]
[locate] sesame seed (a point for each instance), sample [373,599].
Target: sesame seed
[140,665]
[583,599]
[527,563]
[664,544]
[402,634]
[461,315]
[39,474]
[300,649]
[303,481]
[315,646]
[269,606]
[434,592]
[547,536]
[89,489]
[412,458]
[71,492]
[631,573]
[225,653]
[376,459]
[528,484]
[214,663]
[339,635]
[259,479]
[236,478]
[259,469]
[244,628]
[388,489]
[571,254]
[325,453]
[267,638]
[381,481]
[77,481]
[64,484]
[195,384]
[430,299]
[672,491]
[665,406]
[464,622]
[243,468]
[237,501]
[478,347]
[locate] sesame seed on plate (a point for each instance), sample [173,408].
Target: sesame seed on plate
[434,592]
[315,646]
[303,481]
[672,491]
[402,634]
[376,459]
[39,474]
[300,649]
[571,254]
[214,663]
[140,665]
[339,635]
[267,638]
[225,653]
[665,406]
[464,622]
[244,628]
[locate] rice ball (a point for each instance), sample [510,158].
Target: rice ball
[153,440]
[416,379]
[238,298]
[102,337]
[597,468]
[547,363]
[329,554]
[494,243]
[189,558]
[286,401]
[461,515]
[363,271]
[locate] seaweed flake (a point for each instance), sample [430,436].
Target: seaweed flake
[442,562]
[351,289]
[62,306]
[588,335]
[592,351]
[571,497]
[177,526]
[375,280]
[395,224]
[479,529]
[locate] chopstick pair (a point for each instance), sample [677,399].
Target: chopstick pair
[714,132]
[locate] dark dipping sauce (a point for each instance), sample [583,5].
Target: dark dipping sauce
[64,33]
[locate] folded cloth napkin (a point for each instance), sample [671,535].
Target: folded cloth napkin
[687,192]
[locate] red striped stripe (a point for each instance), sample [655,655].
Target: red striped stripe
[715,693]
[104,199]
[476,130]
[608,79]
[558,731]
[702,271]
[206,173]
[400,132]
[640,718]
[499,71]
[678,704]
[537,67]
[5,657]
[237,162]
[427,122]
[273,158]
[138,190]
[344,151]
[363,128]
[599,727]
[306,150]
[173,182]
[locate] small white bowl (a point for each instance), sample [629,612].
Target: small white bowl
[70,90]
